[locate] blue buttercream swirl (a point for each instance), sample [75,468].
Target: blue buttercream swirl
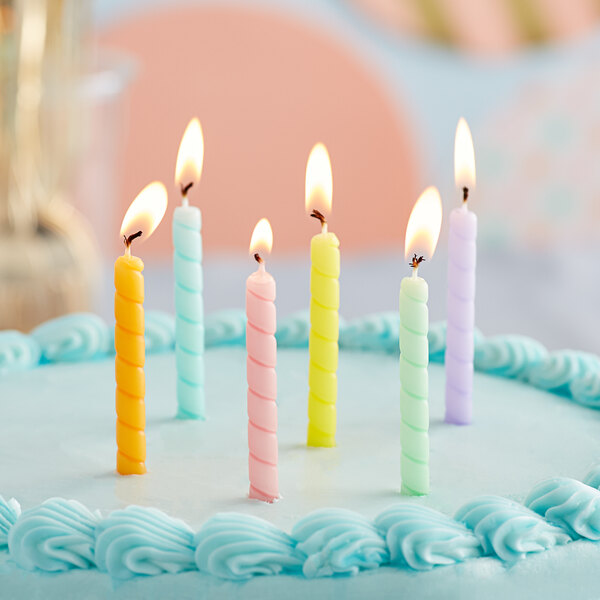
[226,327]
[18,351]
[293,331]
[143,541]
[509,530]
[585,389]
[9,513]
[57,535]
[436,338]
[338,541]
[509,355]
[72,338]
[373,332]
[568,503]
[159,335]
[235,546]
[593,478]
[560,368]
[423,538]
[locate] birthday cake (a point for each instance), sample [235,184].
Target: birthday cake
[514,506]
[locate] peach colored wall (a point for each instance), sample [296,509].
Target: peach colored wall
[265,88]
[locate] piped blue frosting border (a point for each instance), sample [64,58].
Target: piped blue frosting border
[83,337]
[60,535]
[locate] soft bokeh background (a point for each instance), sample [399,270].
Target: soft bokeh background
[382,83]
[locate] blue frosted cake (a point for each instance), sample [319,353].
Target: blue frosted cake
[514,507]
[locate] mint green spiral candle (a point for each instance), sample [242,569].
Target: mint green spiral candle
[414,405]
[189,305]
[422,234]
[189,309]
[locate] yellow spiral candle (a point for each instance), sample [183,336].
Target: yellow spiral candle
[144,215]
[129,365]
[324,305]
[323,339]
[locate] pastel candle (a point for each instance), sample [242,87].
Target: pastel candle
[324,304]
[187,263]
[461,287]
[261,350]
[141,219]
[422,234]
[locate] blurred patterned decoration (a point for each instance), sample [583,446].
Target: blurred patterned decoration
[47,254]
[536,162]
[486,26]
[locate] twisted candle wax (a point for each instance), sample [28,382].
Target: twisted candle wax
[262,385]
[323,338]
[129,365]
[414,406]
[461,315]
[189,307]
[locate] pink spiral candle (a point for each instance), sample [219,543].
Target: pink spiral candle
[262,384]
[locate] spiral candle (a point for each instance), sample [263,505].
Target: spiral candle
[262,385]
[414,406]
[129,365]
[461,315]
[323,338]
[189,324]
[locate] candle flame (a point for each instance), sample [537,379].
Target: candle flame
[464,156]
[424,224]
[319,180]
[191,155]
[146,212]
[262,238]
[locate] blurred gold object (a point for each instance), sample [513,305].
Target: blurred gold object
[47,255]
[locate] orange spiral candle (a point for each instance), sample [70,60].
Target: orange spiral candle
[129,365]
[145,213]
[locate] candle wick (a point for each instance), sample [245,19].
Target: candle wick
[317,214]
[414,264]
[186,188]
[127,241]
[258,259]
[465,194]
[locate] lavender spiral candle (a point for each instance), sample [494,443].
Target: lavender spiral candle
[461,287]
[460,315]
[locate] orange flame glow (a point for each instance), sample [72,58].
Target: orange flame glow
[318,190]
[191,155]
[424,224]
[464,156]
[146,212]
[262,238]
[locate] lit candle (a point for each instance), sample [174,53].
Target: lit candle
[189,308]
[422,234]
[262,379]
[141,219]
[461,286]
[324,304]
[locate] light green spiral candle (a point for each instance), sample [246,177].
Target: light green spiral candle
[414,404]
[422,233]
